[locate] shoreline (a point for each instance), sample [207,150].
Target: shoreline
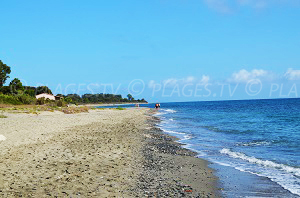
[111,104]
[103,153]
[171,170]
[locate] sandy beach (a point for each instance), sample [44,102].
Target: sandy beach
[103,153]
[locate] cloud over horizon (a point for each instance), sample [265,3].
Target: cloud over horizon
[292,74]
[241,76]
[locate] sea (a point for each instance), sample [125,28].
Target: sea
[253,145]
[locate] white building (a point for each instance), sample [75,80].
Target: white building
[46,96]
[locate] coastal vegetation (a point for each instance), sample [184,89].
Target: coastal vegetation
[120,108]
[103,98]
[17,94]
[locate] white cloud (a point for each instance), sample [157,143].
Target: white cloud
[292,74]
[205,79]
[244,76]
[190,79]
[241,76]
[170,82]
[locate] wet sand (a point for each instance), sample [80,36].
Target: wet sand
[103,153]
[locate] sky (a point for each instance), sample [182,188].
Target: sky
[160,50]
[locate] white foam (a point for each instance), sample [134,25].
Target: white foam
[256,143]
[2,138]
[169,131]
[159,114]
[286,180]
[221,163]
[186,137]
[199,153]
[266,163]
[170,110]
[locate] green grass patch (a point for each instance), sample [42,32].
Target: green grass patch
[120,108]
[3,116]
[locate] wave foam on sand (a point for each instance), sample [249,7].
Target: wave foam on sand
[286,176]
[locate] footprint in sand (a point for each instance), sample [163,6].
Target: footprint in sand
[2,138]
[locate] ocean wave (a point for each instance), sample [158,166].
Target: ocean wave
[266,163]
[170,110]
[255,143]
[288,182]
[284,175]
[186,137]
[175,132]
[182,136]
[159,114]
[199,153]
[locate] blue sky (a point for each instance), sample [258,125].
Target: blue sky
[160,50]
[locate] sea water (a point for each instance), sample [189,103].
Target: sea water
[253,144]
[255,137]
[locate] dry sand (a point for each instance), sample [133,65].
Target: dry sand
[103,153]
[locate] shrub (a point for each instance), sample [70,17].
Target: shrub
[72,110]
[26,99]
[68,100]
[9,99]
[120,108]
[16,99]
[61,103]
[40,101]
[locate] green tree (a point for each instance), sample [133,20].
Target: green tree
[30,92]
[129,96]
[43,89]
[4,73]
[68,100]
[15,86]
[75,98]
[86,100]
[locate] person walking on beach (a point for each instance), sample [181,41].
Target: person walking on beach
[157,106]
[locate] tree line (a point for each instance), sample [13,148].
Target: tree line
[16,90]
[101,98]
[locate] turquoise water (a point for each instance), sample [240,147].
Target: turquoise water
[258,137]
